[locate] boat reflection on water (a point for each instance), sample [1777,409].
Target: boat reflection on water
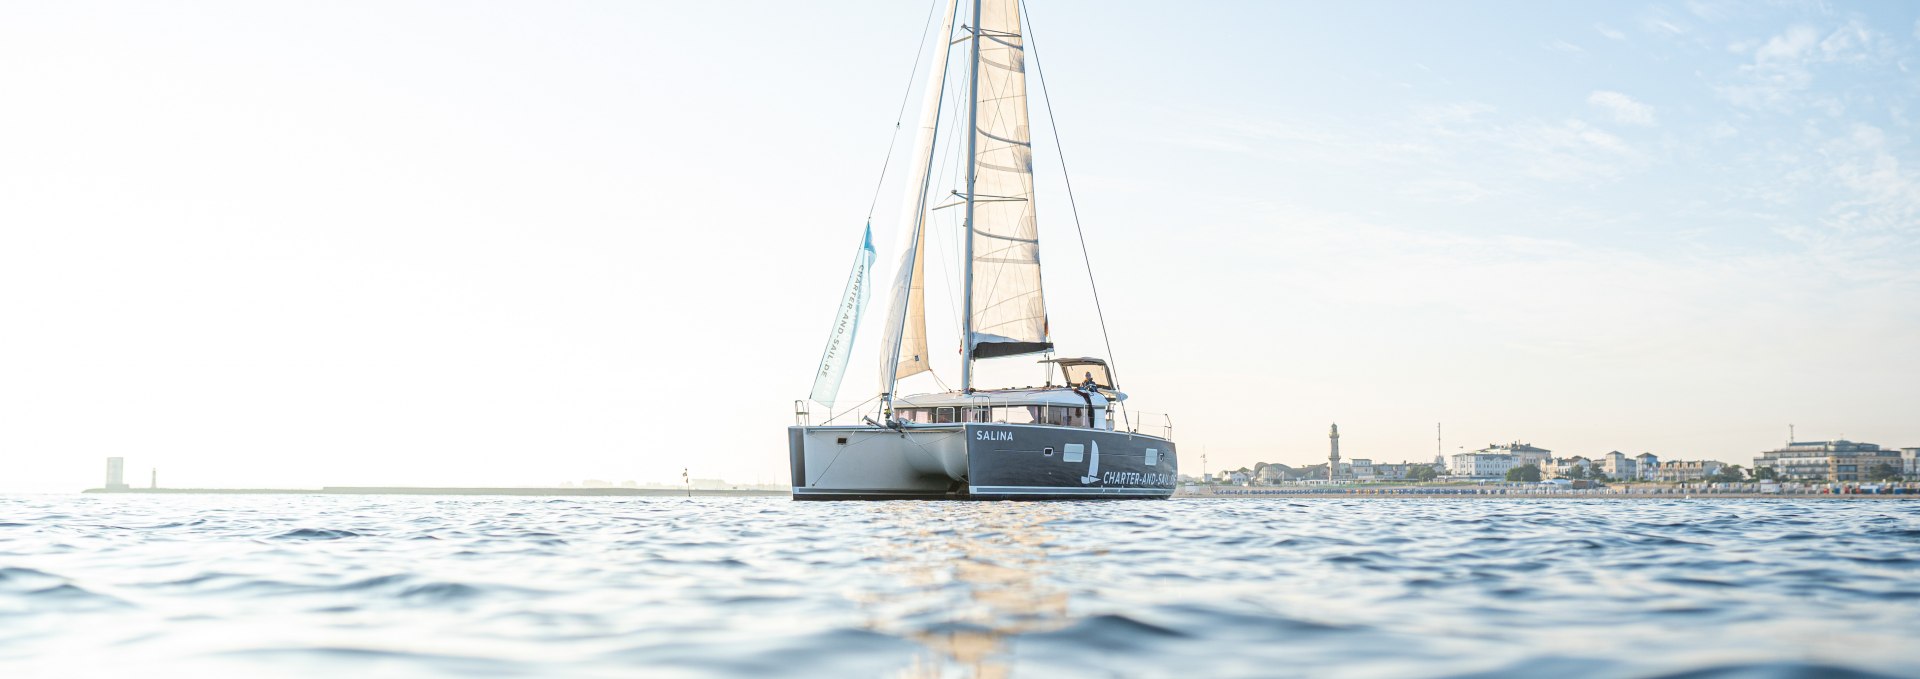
[962,578]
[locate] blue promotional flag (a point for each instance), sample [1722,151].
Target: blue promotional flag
[846,322]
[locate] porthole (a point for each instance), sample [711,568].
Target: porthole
[842,440]
[1047,452]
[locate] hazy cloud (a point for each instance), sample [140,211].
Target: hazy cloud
[1663,26]
[1623,108]
[1613,34]
[1456,191]
[1571,150]
[1710,11]
[1790,46]
[1783,65]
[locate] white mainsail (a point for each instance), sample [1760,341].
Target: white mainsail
[1009,313]
[903,351]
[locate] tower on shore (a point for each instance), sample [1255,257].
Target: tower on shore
[116,473]
[1333,458]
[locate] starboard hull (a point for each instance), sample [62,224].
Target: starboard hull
[979,461]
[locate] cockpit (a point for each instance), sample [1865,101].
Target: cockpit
[1075,405]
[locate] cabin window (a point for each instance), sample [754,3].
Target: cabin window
[943,415]
[1021,415]
[1153,457]
[1064,416]
[1073,452]
[980,414]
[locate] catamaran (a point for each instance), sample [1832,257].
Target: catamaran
[1069,440]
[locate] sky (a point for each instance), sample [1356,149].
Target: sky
[436,243]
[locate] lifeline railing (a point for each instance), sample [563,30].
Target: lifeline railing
[1140,419]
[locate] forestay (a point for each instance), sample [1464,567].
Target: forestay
[903,350]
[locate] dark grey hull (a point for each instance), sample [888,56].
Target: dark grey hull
[980,461]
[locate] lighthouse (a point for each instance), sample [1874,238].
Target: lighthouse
[1333,458]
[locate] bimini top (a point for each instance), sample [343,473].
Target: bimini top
[1060,396]
[1077,370]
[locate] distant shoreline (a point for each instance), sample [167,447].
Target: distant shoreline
[1501,494]
[1442,493]
[415,490]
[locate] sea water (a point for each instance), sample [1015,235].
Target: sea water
[407,586]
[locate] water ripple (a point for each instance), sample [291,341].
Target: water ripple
[703,587]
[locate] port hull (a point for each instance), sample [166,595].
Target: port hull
[979,461]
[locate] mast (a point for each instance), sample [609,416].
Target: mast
[973,173]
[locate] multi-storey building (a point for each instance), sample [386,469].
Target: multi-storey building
[1617,465]
[1563,467]
[1482,465]
[1829,460]
[1646,466]
[1396,472]
[1860,467]
[1677,471]
[1523,453]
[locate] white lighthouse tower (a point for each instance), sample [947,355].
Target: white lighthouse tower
[1333,459]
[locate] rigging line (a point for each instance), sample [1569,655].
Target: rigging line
[950,280]
[1033,48]
[836,454]
[918,52]
[848,411]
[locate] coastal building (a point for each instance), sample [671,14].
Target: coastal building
[1564,468]
[1910,463]
[1624,467]
[1395,472]
[1493,461]
[1681,471]
[1839,461]
[1482,465]
[1523,453]
[116,473]
[1861,467]
[1361,469]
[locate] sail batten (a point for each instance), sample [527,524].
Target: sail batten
[1007,311]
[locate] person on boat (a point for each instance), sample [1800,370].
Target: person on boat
[1085,389]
